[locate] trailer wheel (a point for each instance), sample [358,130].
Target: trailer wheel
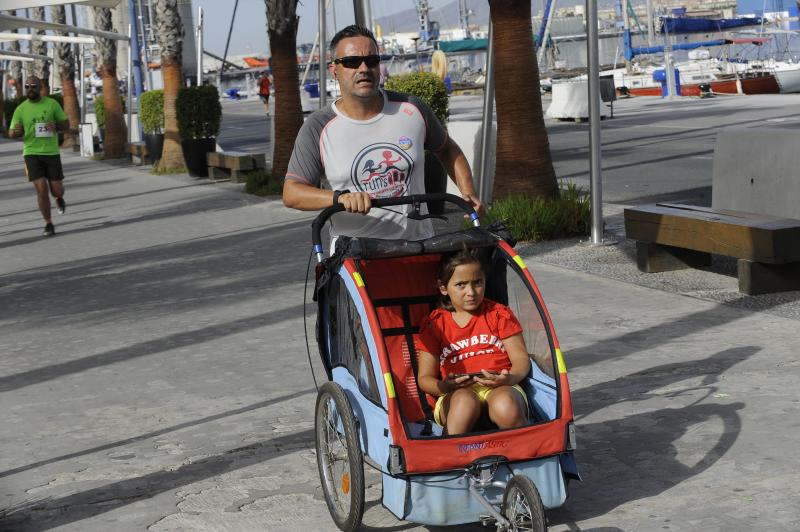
[339,458]
[522,506]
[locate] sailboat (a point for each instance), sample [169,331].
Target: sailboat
[721,77]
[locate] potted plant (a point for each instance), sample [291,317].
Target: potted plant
[429,88]
[151,114]
[199,114]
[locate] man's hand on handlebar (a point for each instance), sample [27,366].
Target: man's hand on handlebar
[358,202]
[476,204]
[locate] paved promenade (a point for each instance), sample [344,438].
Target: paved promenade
[154,375]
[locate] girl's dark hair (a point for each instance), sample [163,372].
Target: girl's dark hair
[448,264]
[353,30]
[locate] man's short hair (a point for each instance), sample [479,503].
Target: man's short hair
[353,30]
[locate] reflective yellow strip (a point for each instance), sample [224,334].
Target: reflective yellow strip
[518,260]
[359,280]
[387,377]
[562,368]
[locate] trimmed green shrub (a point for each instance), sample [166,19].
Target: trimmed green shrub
[427,87]
[260,183]
[544,219]
[199,112]
[100,109]
[151,111]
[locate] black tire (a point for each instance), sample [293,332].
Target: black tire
[339,458]
[522,506]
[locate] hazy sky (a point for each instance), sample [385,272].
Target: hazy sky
[250,27]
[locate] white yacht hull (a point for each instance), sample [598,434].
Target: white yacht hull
[788,80]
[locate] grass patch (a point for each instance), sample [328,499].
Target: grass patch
[171,171]
[260,183]
[544,219]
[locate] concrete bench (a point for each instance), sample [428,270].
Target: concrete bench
[137,150]
[233,165]
[671,236]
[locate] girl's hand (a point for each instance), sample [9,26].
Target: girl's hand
[451,382]
[493,380]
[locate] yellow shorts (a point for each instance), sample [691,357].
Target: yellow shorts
[482,392]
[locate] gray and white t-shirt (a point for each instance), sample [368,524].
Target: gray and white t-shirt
[384,156]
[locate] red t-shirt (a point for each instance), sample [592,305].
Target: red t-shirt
[471,348]
[263,85]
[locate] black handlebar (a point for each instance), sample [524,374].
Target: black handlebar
[414,199]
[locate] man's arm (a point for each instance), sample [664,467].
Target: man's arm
[15,128]
[16,131]
[303,197]
[457,166]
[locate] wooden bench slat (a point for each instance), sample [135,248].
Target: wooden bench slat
[236,160]
[752,237]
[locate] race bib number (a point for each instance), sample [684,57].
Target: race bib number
[42,131]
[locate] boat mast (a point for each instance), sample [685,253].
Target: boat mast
[544,29]
[626,34]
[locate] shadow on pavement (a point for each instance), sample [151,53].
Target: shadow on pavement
[151,347]
[156,433]
[642,339]
[636,457]
[164,279]
[51,513]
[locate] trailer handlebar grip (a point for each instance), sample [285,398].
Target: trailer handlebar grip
[322,218]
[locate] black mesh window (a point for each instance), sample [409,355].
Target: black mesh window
[349,346]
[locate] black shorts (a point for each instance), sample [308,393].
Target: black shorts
[47,166]
[264,98]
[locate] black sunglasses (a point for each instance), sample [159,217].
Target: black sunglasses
[31,86]
[354,61]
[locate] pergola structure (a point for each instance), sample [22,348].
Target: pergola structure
[80,36]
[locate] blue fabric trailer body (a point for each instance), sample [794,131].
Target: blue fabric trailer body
[439,500]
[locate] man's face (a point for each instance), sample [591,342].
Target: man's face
[32,88]
[359,81]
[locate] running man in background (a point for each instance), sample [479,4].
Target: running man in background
[264,85]
[37,120]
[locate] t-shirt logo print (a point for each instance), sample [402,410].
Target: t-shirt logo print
[383,170]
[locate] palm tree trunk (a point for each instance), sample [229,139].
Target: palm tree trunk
[169,31]
[41,68]
[524,165]
[288,110]
[116,135]
[282,23]
[15,70]
[70,108]
[172,154]
[65,61]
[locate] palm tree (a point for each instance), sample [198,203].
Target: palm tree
[116,132]
[523,165]
[65,62]
[170,39]
[41,68]
[16,67]
[282,30]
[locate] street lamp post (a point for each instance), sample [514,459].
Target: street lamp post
[199,46]
[416,51]
[595,159]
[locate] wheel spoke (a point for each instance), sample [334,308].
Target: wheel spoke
[337,470]
[519,513]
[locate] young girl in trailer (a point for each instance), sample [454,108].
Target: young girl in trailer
[471,351]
